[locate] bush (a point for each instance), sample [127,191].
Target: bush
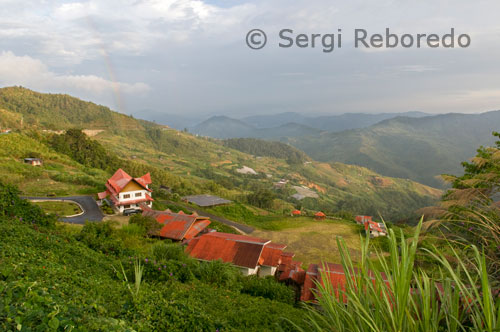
[148,224]
[11,205]
[165,251]
[218,273]
[268,288]
[99,236]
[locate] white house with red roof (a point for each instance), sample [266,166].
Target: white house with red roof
[126,192]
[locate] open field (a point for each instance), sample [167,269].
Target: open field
[315,241]
[62,209]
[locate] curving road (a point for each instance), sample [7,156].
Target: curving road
[91,212]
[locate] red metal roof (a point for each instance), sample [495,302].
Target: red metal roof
[240,250]
[335,275]
[102,195]
[296,212]
[120,179]
[272,254]
[177,226]
[320,214]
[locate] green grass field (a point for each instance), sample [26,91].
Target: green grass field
[315,241]
[59,208]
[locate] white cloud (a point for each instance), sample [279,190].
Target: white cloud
[32,73]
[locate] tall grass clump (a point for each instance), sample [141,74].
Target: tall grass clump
[391,294]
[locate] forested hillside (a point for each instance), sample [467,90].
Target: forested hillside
[420,149]
[184,162]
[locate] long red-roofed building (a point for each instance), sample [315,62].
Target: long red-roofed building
[251,255]
[177,226]
[126,192]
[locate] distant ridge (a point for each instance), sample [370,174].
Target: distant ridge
[416,148]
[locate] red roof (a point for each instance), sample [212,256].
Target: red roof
[334,274]
[272,254]
[177,226]
[296,212]
[363,219]
[286,260]
[240,250]
[320,214]
[102,195]
[120,179]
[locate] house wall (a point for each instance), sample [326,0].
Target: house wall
[248,271]
[132,193]
[265,271]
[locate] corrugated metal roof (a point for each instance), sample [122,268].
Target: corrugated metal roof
[272,254]
[206,200]
[177,226]
[240,250]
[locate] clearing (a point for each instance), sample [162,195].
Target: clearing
[316,241]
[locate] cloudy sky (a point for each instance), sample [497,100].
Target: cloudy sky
[190,58]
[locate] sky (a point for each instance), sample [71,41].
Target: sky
[190,58]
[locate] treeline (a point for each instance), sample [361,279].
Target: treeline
[263,148]
[57,111]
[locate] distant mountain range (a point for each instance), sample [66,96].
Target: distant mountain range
[420,149]
[289,124]
[226,127]
[332,123]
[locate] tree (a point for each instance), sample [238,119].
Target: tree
[470,210]
[262,198]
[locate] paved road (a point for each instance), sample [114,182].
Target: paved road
[91,211]
[240,227]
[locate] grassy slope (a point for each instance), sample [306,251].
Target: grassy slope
[419,149]
[315,241]
[41,279]
[339,186]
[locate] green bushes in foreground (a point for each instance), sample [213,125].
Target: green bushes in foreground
[461,299]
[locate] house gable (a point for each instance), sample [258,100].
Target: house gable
[132,186]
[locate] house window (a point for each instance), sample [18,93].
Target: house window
[127,206]
[126,196]
[138,194]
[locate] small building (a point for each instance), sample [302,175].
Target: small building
[361,220]
[177,226]
[320,216]
[296,213]
[249,254]
[376,229]
[126,192]
[33,161]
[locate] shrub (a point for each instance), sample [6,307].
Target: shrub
[148,224]
[11,205]
[268,288]
[165,251]
[99,236]
[218,273]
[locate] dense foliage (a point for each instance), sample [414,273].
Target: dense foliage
[273,149]
[52,280]
[470,210]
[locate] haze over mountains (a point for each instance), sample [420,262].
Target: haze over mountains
[410,145]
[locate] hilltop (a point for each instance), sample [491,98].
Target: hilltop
[186,163]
